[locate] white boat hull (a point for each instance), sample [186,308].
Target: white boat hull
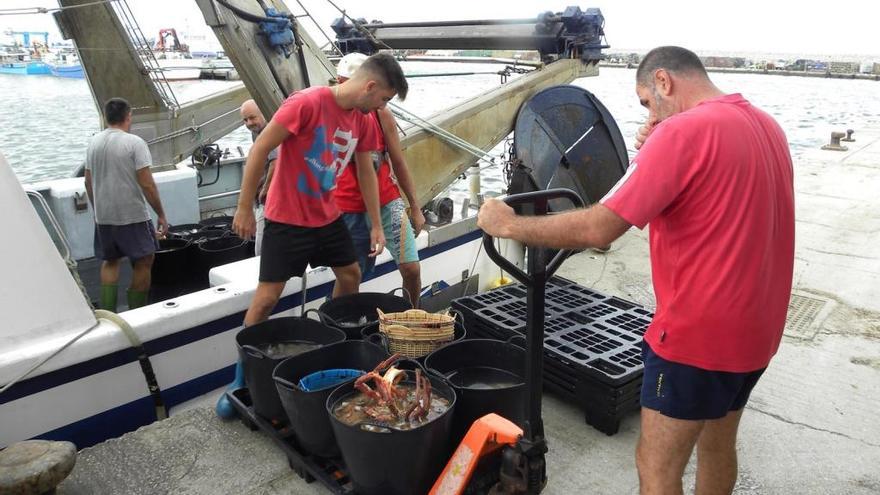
[191,343]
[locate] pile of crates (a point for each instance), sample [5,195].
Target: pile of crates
[592,343]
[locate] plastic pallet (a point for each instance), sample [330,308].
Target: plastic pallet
[604,406]
[330,472]
[602,335]
[606,421]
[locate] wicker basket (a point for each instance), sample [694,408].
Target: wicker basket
[415,333]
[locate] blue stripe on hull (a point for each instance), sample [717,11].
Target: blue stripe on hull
[127,417]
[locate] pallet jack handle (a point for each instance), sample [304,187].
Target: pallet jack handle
[523,469]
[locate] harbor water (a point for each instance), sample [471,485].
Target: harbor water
[47,122]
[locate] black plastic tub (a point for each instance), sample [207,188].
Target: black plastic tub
[301,333]
[393,462]
[220,251]
[188,231]
[307,411]
[371,333]
[354,312]
[173,272]
[173,260]
[488,376]
[221,222]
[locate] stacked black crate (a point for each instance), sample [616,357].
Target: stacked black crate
[592,343]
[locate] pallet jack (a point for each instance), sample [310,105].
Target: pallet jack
[497,457]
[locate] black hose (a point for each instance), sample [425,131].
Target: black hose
[245,14]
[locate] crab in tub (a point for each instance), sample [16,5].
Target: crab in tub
[382,399]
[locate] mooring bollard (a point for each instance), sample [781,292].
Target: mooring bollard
[35,466]
[849,138]
[835,142]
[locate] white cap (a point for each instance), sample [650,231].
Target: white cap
[349,64]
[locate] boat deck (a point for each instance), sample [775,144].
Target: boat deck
[810,428]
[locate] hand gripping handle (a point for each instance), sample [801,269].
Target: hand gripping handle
[539,199]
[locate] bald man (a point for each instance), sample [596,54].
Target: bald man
[255,122]
[713,178]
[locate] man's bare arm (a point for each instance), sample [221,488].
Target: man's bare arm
[369,186]
[270,138]
[88,181]
[400,167]
[151,193]
[596,226]
[264,192]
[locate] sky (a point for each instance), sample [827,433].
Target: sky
[708,27]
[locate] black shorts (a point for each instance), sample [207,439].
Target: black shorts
[287,249]
[134,241]
[686,392]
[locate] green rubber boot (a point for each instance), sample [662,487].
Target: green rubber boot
[136,298]
[108,297]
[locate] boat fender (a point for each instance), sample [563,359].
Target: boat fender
[143,359]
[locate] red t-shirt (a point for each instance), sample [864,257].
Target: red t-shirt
[322,142]
[715,183]
[348,193]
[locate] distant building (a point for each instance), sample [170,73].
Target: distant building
[724,62]
[843,67]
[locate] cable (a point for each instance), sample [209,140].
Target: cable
[447,136]
[45,10]
[330,41]
[247,15]
[50,356]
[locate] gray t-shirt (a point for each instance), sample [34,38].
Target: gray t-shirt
[114,157]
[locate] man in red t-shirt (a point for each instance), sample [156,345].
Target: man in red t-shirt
[714,179]
[319,130]
[391,168]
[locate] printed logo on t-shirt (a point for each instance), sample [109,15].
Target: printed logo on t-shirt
[324,174]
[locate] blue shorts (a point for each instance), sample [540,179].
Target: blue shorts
[132,241]
[686,392]
[399,236]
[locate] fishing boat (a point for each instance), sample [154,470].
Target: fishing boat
[95,389]
[14,60]
[65,63]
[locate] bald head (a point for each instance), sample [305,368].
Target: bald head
[252,116]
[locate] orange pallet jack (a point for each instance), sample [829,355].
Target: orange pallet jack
[496,457]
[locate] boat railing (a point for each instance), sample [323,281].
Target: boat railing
[52,225]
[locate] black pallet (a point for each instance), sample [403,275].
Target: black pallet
[604,406]
[590,332]
[330,472]
[602,419]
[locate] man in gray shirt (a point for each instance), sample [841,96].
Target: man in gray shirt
[255,122]
[118,181]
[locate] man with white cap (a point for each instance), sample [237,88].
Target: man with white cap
[394,176]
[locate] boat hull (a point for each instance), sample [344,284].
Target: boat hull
[67,71]
[105,396]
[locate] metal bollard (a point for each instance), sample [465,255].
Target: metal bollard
[849,138]
[835,142]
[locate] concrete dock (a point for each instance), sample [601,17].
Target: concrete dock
[811,426]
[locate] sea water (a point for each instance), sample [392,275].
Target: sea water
[47,122]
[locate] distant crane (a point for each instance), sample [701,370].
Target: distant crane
[162,45]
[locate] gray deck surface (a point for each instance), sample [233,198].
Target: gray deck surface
[811,426]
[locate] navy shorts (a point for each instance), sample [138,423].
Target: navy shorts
[134,241]
[686,392]
[287,249]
